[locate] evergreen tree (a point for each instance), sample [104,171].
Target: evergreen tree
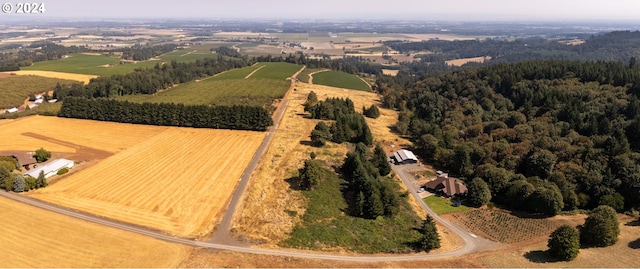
[371,112]
[381,160]
[601,228]
[564,243]
[430,238]
[310,174]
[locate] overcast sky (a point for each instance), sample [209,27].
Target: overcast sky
[460,10]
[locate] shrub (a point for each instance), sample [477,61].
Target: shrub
[601,228]
[564,243]
[42,155]
[63,171]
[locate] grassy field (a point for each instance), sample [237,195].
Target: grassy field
[268,214]
[340,80]
[229,88]
[326,227]
[443,206]
[15,89]
[36,238]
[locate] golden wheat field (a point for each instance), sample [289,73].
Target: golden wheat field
[107,136]
[176,181]
[52,74]
[36,238]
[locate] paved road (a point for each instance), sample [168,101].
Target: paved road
[472,242]
[195,243]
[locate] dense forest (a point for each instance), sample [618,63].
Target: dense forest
[545,136]
[168,114]
[613,46]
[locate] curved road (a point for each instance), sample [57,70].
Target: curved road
[472,243]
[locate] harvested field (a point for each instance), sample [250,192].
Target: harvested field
[390,72]
[177,181]
[460,62]
[37,238]
[106,136]
[61,75]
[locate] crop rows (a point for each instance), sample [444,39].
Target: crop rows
[177,181]
[504,227]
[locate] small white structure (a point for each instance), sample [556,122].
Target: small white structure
[404,156]
[12,110]
[50,169]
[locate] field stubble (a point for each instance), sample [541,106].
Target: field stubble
[35,238]
[177,181]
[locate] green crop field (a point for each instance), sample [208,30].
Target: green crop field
[276,71]
[229,88]
[304,75]
[106,65]
[340,80]
[14,89]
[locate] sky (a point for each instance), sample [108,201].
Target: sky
[453,10]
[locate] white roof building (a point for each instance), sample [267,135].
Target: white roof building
[405,156]
[50,169]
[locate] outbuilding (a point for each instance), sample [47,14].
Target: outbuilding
[50,169]
[404,156]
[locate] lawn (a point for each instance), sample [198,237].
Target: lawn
[340,80]
[325,226]
[443,206]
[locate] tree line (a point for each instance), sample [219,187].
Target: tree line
[168,114]
[139,52]
[612,46]
[149,80]
[544,136]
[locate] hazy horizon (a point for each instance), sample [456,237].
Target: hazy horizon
[452,10]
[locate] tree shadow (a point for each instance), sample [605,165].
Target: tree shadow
[294,183]
[633,223]
[635,244]
[307,143]
[539,256]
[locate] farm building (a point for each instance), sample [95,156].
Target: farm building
[11,110]
[50,169]
[404,156]
[446,185]
[25,159]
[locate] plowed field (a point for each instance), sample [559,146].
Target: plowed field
[177,181]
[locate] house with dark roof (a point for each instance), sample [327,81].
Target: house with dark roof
[25,159]
[447,186]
